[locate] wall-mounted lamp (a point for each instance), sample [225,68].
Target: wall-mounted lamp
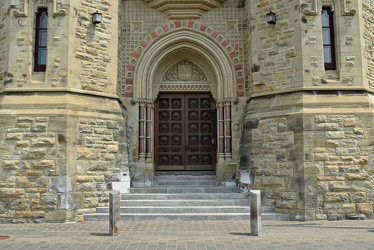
[271,17]
[96,18]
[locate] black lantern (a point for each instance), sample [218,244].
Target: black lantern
[96,18]
[271,17]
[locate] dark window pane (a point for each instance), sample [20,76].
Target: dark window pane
[42,56]
[43,20]
[43,38]
[327,55]
[325,18]
[326,36]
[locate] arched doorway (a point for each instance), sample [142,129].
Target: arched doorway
[187,63]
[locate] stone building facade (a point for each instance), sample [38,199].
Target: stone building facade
[203,86]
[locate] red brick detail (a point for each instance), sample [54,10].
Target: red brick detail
[153,34]
[165,27]
[143,43]
[238,66]
[190,24]
[129,94]
[214,34]
[177,24]
[233,54]
[135,54]
[129,81]
[202,27]
[130,67]
[225,43]
[239,80]
[240,93]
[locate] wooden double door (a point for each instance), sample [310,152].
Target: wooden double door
[185,132]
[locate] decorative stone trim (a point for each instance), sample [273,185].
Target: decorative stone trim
[184,71]
[56,11]
[190,9]
[310,10]
[22,11]
[220,40]
[191,87]
[346,8]
[313,10]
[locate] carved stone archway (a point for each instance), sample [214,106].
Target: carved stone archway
[201,52]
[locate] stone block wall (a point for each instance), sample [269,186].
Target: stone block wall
[274,49]
[272,151]
[96,46]
[57,166]
[62,133]
[3,35]
[368,35]
[307,131]
[315,160]
[340,161]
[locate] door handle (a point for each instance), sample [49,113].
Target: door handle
[187,148]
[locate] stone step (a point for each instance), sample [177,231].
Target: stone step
[183,196]
[184,183]
[185,173]
[185,217]
[176,203]
[185,189]
[179,209]
[184,177]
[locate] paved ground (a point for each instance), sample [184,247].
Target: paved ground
[353,234]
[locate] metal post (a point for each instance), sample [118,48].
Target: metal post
[114,212]
[255,212]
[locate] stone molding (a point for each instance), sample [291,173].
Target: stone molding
[183,87]
[218,38]
[56,11]
[312,10]
[187,9]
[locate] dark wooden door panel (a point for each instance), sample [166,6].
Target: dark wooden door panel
[184,132]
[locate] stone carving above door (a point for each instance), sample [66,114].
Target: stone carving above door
[188,9]
[184,71]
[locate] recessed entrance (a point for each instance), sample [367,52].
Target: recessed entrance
[185,132]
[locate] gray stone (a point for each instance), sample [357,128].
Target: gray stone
[255,214]
[114,212]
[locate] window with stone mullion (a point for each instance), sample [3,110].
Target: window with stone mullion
[328,38]
[40,53]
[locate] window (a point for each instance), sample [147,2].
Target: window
[40,56]
[328,38]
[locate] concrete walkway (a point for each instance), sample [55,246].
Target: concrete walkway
[353,234]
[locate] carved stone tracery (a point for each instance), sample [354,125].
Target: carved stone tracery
[184,71]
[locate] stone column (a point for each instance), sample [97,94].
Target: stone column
[148,131]
[221,135]
[142,134]
[228,129]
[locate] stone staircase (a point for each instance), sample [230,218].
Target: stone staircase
[184,196]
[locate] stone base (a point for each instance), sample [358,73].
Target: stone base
[302,215]
[123,186]
[60,216]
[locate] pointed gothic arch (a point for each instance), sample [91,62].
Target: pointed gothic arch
[201,46]
[195,36]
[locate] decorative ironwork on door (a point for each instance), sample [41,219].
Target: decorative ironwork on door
[185,132]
